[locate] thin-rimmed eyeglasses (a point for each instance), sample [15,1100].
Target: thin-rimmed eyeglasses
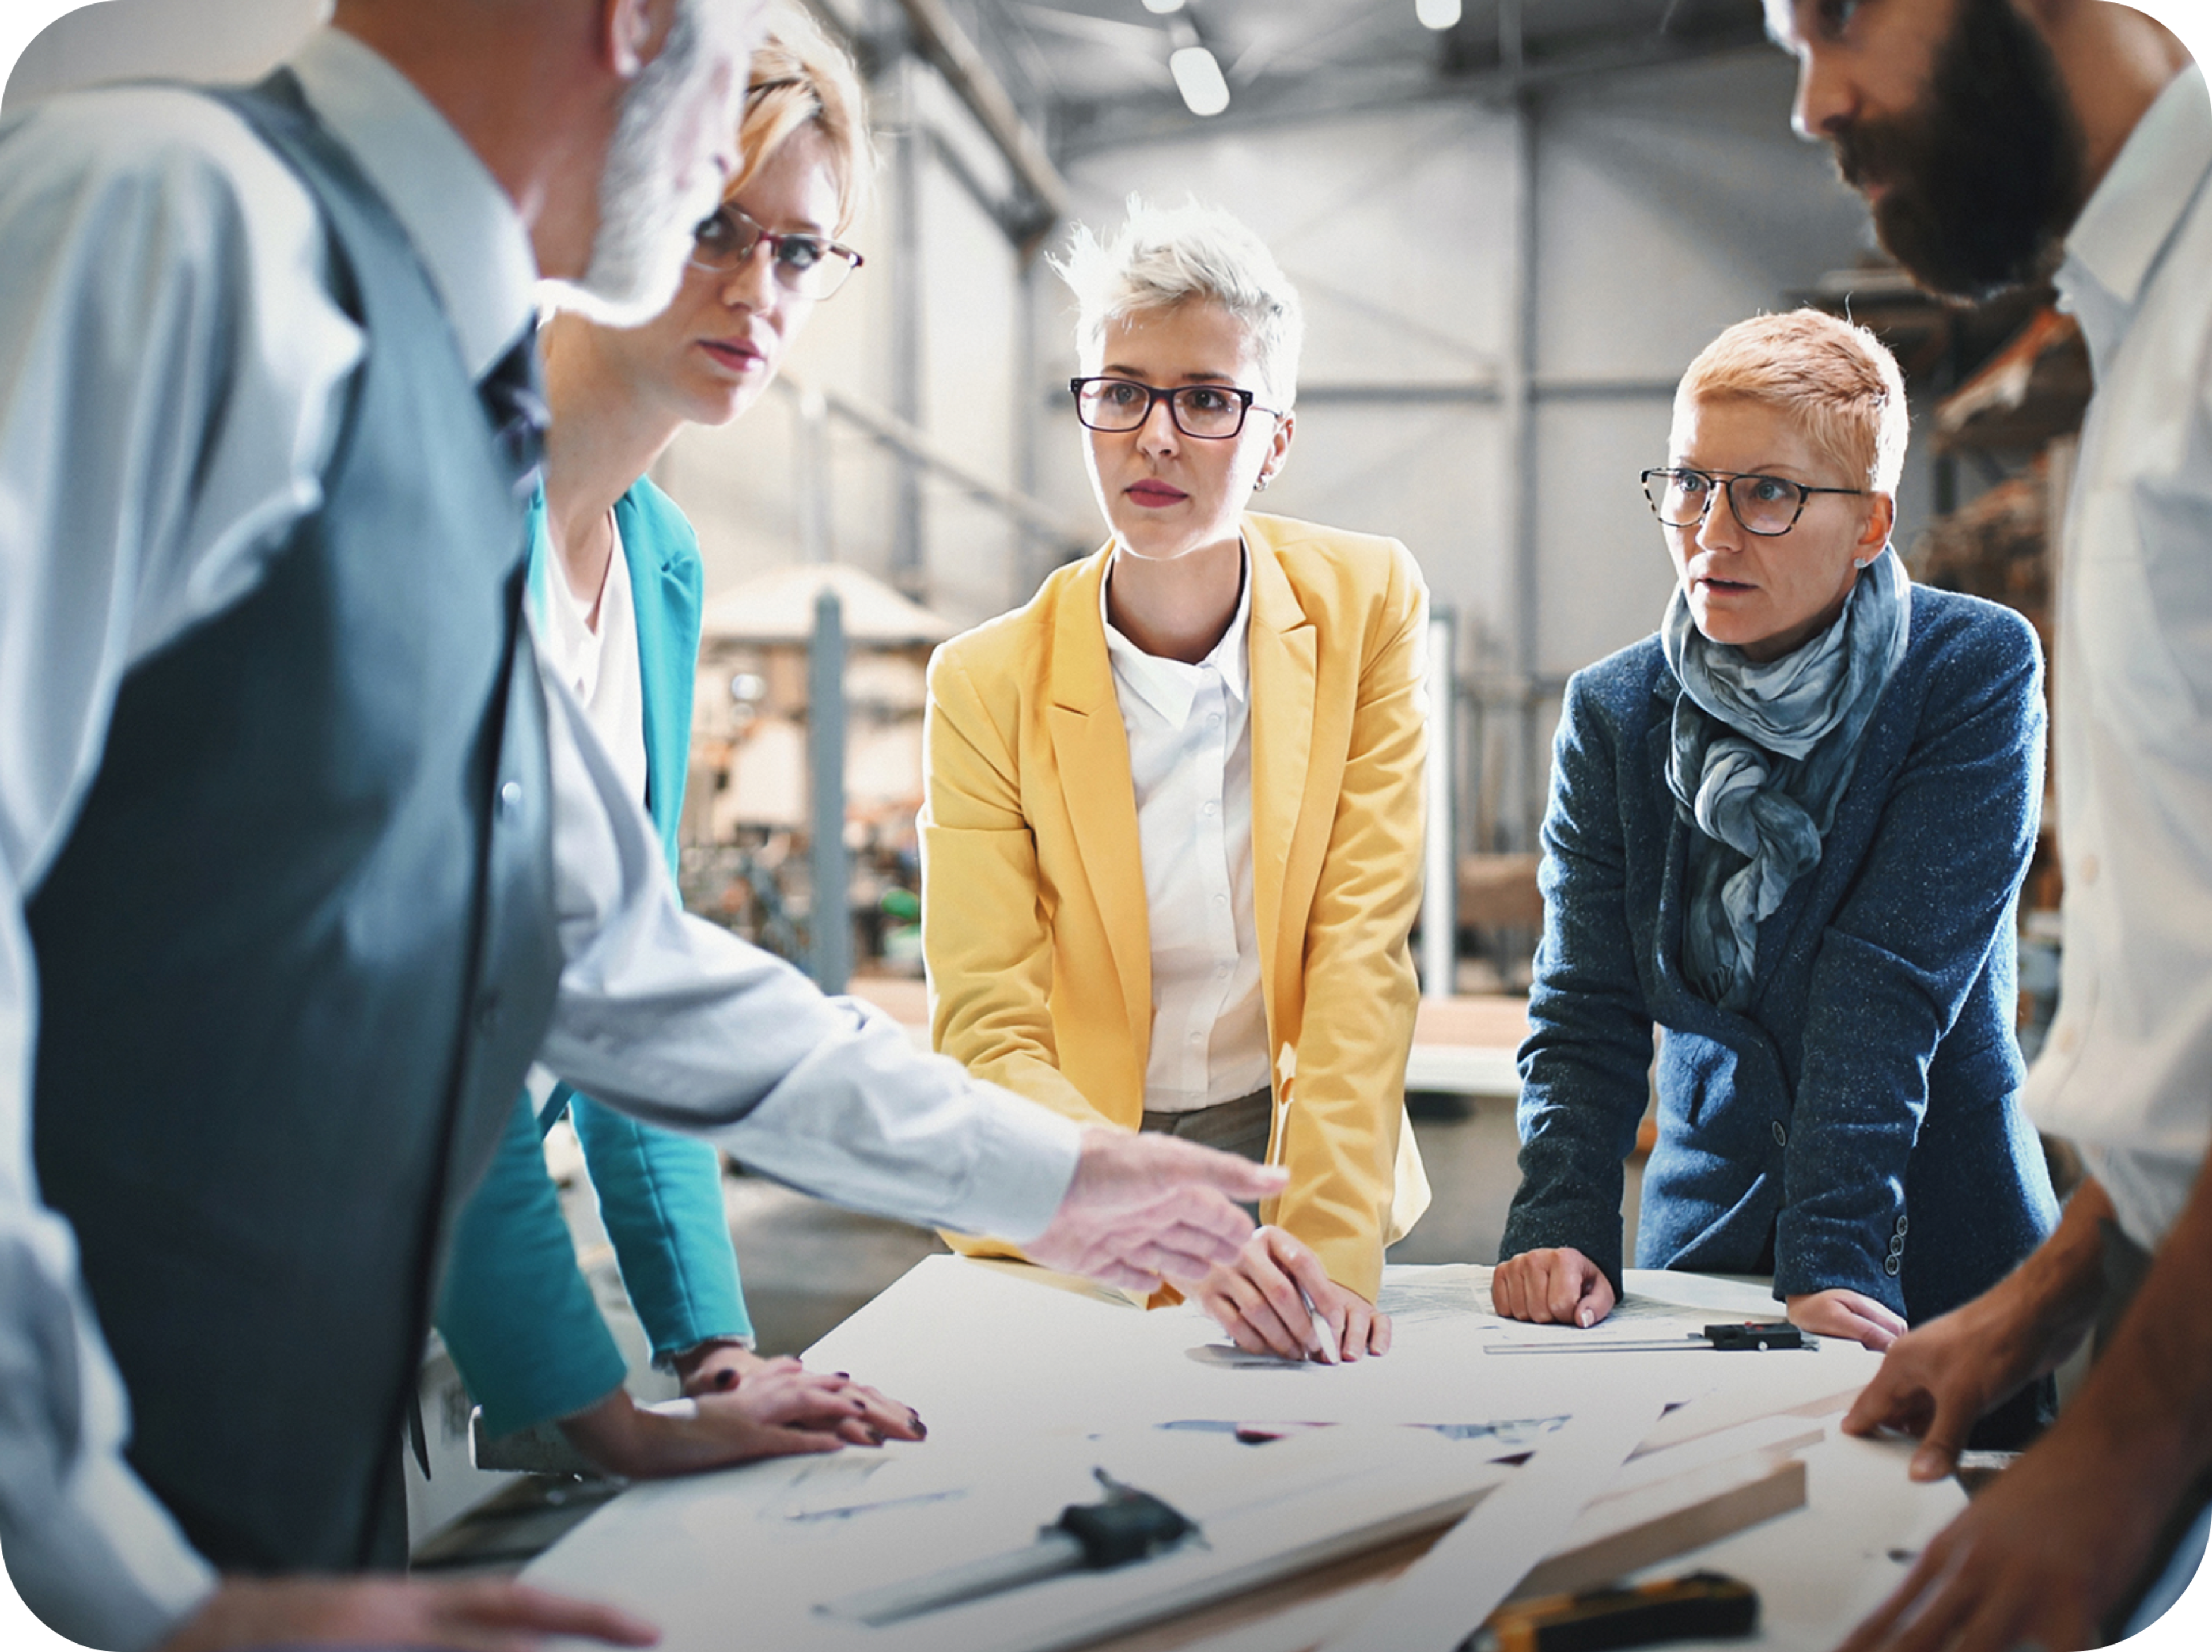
[812,266]
[1768,505]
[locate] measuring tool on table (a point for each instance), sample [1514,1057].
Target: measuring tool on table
[1126,1525]
[1745,1336]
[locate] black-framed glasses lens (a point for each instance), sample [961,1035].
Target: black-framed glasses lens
[1210,412]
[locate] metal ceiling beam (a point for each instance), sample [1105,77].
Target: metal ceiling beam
[1085,129]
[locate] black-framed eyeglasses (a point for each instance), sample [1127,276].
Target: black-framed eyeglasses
[1768,505]
[1209,412]
[812,266]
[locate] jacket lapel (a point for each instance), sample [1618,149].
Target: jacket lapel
[667,613]
[1092,753]
[1282,649]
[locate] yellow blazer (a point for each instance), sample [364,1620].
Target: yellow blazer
[1034,920]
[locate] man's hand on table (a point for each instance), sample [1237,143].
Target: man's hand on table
[1558,1286]
[723,1366]
[1261,1300]
[481,1616]
[1847,1314]
[2039,1558]
[1144,1208]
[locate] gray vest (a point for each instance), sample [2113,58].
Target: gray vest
[298,950]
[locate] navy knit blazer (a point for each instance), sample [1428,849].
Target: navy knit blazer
[1862,1110]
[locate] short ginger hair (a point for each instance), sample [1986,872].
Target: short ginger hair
[1833,377]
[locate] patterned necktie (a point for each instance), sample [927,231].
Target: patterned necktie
[515,402]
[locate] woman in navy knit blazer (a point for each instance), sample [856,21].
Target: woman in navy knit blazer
[1790,830]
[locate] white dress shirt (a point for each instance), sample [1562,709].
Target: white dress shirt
[170,360]
[2127,1071]
[599,662]
[1189,729]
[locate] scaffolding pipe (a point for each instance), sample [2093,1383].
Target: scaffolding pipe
[946,45]
[913,447]
[829,923]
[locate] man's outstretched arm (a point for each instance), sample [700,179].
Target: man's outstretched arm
[2044,1554]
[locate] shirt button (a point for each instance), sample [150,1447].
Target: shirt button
[1221,900]
[488,1016]
[510,799]
[2089,866]
[1213,721]
[1780,1135]
[1221,974]
[1209,809]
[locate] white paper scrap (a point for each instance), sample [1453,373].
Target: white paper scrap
[1440,1598]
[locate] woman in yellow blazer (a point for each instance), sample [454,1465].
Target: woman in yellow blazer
[1172,840]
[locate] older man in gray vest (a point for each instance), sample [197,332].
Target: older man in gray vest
[302,862]
[1999,142]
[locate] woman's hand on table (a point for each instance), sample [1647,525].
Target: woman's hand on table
[724,1367]
[779,1409]
[1261,1300]
[1558,1286]
[1840,1313]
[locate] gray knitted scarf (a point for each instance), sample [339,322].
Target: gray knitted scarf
[1759,759]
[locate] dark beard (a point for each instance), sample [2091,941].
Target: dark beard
[1983,178]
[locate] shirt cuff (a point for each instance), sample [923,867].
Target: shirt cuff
[1025,1158]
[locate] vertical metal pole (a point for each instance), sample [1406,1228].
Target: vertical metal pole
[1521,453]
[910,547]
[829,945]
[1439,859]
[813,478]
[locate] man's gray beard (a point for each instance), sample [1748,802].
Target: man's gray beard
[644,232]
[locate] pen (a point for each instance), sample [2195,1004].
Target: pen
[1322,1334]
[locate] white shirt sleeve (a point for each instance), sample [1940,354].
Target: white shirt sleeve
[168,365]
[665,1017]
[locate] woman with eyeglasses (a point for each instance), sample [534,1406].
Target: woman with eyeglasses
[1171,841]
[1789,831]
[615,587]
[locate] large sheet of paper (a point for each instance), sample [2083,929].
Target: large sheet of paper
[1029,1382]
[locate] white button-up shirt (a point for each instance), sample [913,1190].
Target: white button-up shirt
[170,361]
[2127,1073]
[598,663]
[1189,729]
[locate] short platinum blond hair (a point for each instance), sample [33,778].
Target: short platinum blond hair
[1161,257]
[1833,377]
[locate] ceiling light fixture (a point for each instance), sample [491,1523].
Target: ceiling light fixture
[1198,77]
[1162,7]
[1433,13]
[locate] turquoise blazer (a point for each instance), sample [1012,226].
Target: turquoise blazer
[516,1313]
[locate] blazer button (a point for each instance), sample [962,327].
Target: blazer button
[1904,1226]
[1889,1266]
[1897,1244]
[1780,1135]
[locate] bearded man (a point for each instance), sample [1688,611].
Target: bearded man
[302,861]
[2000,141]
